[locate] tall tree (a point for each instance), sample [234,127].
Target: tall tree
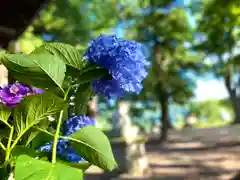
[219,30]
[166,30]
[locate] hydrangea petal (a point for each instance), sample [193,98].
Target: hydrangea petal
[76,123]
[64,149]
[124,61]
[12,94]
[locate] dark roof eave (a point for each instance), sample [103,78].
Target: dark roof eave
[16,16]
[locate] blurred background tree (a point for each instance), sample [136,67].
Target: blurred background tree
[75,22]
[27,42]
[168,37]
[218,37]
[167,33]
[211,113]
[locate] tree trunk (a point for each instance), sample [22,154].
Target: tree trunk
[234,99]
[236,108]
[164,119]
[161,93]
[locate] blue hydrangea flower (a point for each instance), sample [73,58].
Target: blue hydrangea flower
[64,149]
[61,145]
[124,61]
[76,123]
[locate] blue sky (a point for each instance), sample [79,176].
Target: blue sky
[210,88]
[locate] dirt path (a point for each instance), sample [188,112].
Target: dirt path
[197,154]
[214,164]
[205,154]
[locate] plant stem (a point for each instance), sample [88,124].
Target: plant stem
[57,134]
[8,125]
[18,138]
[2,146]
[44,131]
[8,150]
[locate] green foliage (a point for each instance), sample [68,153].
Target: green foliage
[208,113]
[219,27]
[39,139]
[77,21]
[34,109]
[26,43]
[19,151]
[74,22]
[81,165]
[41,70]
[53,67]
[28,168]
[66,52]
[47,67]
[82,94]
[94,146]
[223,37]
[5,113]
[168,35]
[170,56]
[90,73]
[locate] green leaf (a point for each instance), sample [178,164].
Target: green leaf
[92,144]
[34,134]
[39,80]
[53,67]
[40,139]
[35,108]
[82,165]
[5,113]
[89,68]
[4,133]
[41,70]
[19,150]
[65,52]
[21,61]
[2,56]
[4,172]
[82,97]
[28,168]
[31,136]
[92,74]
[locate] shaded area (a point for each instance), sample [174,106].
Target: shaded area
[191,155]
[197,154]
[218,164]
[15,16]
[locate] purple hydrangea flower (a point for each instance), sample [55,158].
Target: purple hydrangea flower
[64,149]
[12,94]
[124,61]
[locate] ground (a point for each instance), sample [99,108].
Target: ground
[181,162]
[202,154]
